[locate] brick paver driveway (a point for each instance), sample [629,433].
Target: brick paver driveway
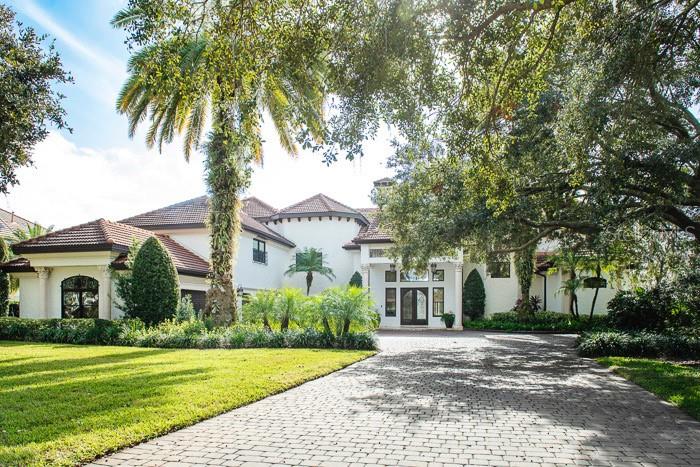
[452,398]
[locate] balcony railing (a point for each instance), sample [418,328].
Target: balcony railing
[259,256]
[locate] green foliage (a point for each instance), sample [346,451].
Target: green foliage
[70,331]
[232,66]
[677,384]
[123,280]
[641,309]
[356,280]
[448,319]
[639,344]
[93,400]
[310,261]
[538,321]
[564,130]
[4,279]
[155,288]
[474,295]
[342,307]
[186,334]
[261,308]
[30,73]
[289,307]
[32,231]
[185,310]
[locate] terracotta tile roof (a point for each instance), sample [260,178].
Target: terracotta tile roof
[258,208]
[186,262]
[544,260]
[193,213]
[190,213]
[9,222]
[104,235]
[319,204]
[372,233]
[17,265]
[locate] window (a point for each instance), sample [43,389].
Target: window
[438,301]
[390,302]
[198,298]
[412,276]
[439,275]
[389,276]
[377,252]
[79,297]
[499,269]
[259,251]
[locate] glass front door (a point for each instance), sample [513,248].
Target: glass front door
[414,306]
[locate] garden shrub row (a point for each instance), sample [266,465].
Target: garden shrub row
[192,334]
[639,344]
[538,321]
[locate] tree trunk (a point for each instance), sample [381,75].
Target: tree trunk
[309,280]
[227,177]
[326,326]
[266,324]
[346,326]
[595,295]
[284,325]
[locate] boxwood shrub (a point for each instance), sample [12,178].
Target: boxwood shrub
[192,334]
[639,344]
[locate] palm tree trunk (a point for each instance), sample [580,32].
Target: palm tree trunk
[309,280]
[346,326]
[226,176]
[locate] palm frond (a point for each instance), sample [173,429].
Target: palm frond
[125,17]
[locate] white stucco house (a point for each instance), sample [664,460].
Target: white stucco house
[69,273]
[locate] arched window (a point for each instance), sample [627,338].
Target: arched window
[79,297]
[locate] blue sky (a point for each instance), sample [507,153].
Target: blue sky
[97,171]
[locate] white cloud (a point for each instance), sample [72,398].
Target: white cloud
[69,185]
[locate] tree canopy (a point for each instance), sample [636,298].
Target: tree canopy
[527,120]
[29,100]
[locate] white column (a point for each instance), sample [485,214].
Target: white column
[365,276]
[105,293]
[43,275]
[458,295]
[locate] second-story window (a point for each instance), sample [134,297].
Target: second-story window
[259,251]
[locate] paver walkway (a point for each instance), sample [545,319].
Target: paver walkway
[436,398]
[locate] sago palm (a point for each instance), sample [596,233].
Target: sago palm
[310,261]
[220,62]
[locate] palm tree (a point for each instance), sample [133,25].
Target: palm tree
[221,62]
[31,231]
[310,261]
[261,308]
[289,306]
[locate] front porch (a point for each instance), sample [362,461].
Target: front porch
[406,299]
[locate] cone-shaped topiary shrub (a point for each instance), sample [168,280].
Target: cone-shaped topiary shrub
[155,288]
[474,295]
[356,280]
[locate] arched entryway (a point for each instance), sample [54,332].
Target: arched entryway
[80,297]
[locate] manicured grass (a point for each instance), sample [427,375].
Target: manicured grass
[65,404]
[677,384]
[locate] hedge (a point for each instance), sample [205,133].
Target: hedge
[539,321]
[638,344]
[170,334]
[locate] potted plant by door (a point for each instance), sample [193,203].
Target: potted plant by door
[449,319]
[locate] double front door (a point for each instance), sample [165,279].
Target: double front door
[414,306]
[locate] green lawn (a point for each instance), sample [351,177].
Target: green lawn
[63,404]
[677,384]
